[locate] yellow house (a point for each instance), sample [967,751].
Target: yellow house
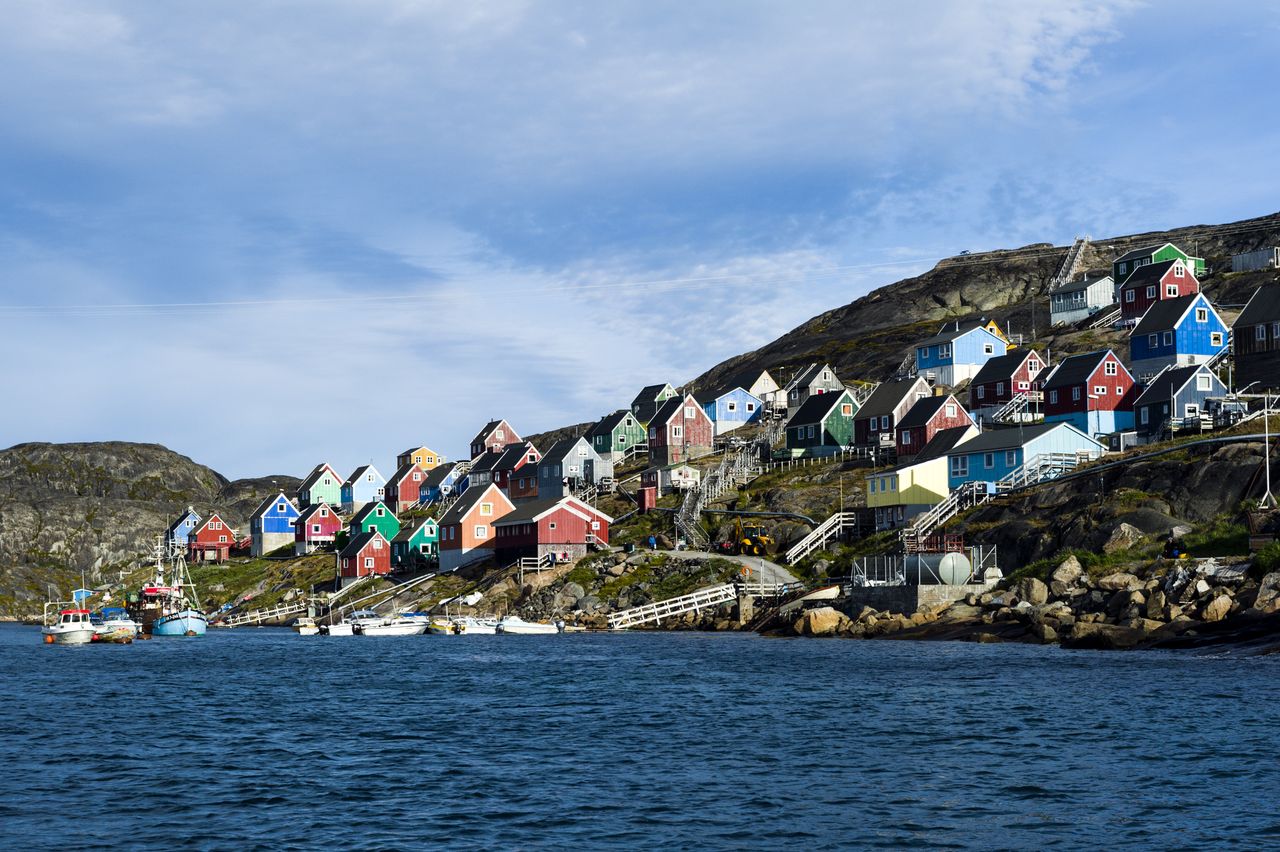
[424,457]
[900,493]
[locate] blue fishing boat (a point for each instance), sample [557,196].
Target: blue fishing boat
[168,606]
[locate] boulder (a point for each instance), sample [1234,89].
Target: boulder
[1268,599]
[822,621]
[1120,582]
[1031,591]
[1123,537]
[1066,576]
[1043,632]
[1216,609]
[1156,603]
[1104,636]
[616,569]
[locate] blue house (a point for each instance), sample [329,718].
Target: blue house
[1176,396]
[364,485]
[1178,332]
[181,528]
[958,351]
[442,481]
[271,526]
[732,408]
[994,455]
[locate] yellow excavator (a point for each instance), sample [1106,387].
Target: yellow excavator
[750,540]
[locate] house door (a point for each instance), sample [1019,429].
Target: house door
[589,471]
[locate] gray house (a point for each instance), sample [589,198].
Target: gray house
[570,465]
[1077,300]
[812,380]
[1180,392]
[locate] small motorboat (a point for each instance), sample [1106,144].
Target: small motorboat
[306,626]
[113,624]
[517,626]
[347,626]
[73,627]
[468,625]
[440,627]
[405,624]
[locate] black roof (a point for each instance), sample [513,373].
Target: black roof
[809,375]
[561,449]
[817,406]
[509,459]
[920,413]
[1006,438]
[358,472]
[313,508]
[889,395]
[1001,367]
[605,425]
[1164,314]
[189,511]
[1084,282]
[1263,306]
[486,462]
[744,379]
[358,543]
[1151,273]
[408,531]
[1144,251]
[437,474]
[526,512]
[1075,369]
[1168,382]
[484,433]
[668,408]
[314,476]
[368,508]
[943,442]
[649,393]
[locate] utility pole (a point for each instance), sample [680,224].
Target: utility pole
[1268,501]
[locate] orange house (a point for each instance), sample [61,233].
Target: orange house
[466,530]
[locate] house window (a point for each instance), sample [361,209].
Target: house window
[377,543]
[1119,390]
[324,513]
[222,539]
[280,507]
[1177,270]
[1023,386]
[1260,332]
[988,460]
[1151,292]
[1110,368]
[826,377]
[906,438]
[368,562]
[315,528]
[944,351]
[326,481]
[1153,340]
[1275,329]
[481,531]
[1123,268]
[676,432]
[551,525]
[959,465]
[873,485]
[1010,458]
[982,391]
[731,406]
[688,412]
[1171,290]
[498,435]
[1215,338]
[582,453]
[1075,393]
[622,440]
[215,525]
[595,525]
[1130,295]
[1202,314]
[923,352]
[951,411]
[417,477]
[486,508]
[846,409]
[368,477]
[1204,382]
[1168,338]
[884,421]
[999,388]
[1144,415]
[751,406]
[988,349]
[653,433]
[1053,396]
[893,484]
[381,512]
[810,431]
[1099,390]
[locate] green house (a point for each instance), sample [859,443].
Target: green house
[646,403]
[375,516]
[823,424]
[1124,265]
[322,485]
[418,541]
[617,435]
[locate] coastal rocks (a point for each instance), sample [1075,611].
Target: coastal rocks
[822,621]
[1102,636]
[1043,632]
[1120,582]
[1123,537]
[1268,599]
[1217,609]
[1066,576]
[1031,591]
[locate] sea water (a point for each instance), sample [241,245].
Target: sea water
[265,739]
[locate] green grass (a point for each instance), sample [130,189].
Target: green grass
[1223,537]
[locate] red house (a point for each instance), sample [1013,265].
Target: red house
[522,485]
[211,541]
[316,527]
[1153,283]
[1093,392]
[1004,377]
[680,430]
[876,422]
[515,458]
[928,417]
[404,489]
[566,528]
[366,554]
[493,438]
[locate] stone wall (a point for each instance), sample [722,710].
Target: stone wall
[909,599]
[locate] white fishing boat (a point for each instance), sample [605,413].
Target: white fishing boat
[115,625]
[347,626]
[72,627]
[405,624]
[516,626]
[306,626]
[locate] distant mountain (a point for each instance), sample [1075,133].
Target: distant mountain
[68,509]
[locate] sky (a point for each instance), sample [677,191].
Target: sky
[273,234]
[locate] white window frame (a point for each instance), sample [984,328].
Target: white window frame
[1204,382]
[1131,295]
[480,532]
[951,410]
[1010,458]
[1168,338]
[1075,394]
[1110,369]
[486,509]
[988,461]
[982,391]
[1151,291]
[1202,314]
[1215,338]
[1099,390]
[959,465]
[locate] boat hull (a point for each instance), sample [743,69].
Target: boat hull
[77,636]
[397,629]
[509,627]
[189,622]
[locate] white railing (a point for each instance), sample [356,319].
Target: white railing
[1109,318]
[260,615]
[1070,263]
[829,529]
[907,369]
[966,495]
[712,596]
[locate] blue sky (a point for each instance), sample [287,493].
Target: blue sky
[377,224]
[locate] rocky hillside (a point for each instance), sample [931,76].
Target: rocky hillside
[868,338]
[68,509]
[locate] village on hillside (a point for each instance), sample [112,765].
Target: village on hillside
[972,412]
